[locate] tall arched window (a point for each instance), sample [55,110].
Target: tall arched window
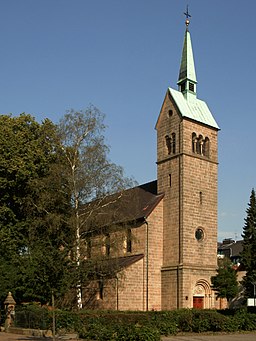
[173,143]
[194,140]
[168,142]
[129,241]
[200,145]
[206,147]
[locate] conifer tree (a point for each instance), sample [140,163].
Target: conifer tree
[225,282]
[248,255]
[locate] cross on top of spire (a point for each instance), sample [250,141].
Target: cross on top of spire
[187,16]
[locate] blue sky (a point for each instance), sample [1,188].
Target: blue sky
[121,56]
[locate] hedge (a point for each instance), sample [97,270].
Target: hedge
[147,326]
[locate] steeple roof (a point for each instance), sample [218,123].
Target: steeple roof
[186,98]
[187,66]
[196,109]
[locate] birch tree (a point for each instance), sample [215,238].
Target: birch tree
[90,174]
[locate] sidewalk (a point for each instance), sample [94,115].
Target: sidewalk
[189,337]
[12,337]
[213,337]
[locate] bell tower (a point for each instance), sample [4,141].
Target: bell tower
[187,162]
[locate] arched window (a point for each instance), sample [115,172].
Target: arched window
[129,241]
[100,290]
[106,245]
[200,145]
[168,142]
[206,147]
[194,140]
[173,143]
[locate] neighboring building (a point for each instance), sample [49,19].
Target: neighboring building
[231,249]
[166,230]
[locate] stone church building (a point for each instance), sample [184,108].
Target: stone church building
[167,235]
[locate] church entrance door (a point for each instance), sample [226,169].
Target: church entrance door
[198,302]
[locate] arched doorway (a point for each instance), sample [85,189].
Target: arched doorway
[202,295]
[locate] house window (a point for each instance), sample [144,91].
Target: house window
[182,87]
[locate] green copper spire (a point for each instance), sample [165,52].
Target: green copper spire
[189,106]
[187,76]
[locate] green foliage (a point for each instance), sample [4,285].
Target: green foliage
[67,321]
[165,322]
[137,326]
[47,174]
[32,316]
[33,211]
[138,333]
[89,172]
[244,320]
[225,282]
[89,176]
[184,319]
[248,255]
[99,330]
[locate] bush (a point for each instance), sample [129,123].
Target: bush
[165,322]
[97,331]
[65,320]
[32,316]
[184,319]
[130,326]
[208,321]
[138,333]
[138,326]
[245,321]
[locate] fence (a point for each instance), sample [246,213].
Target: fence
[32,318]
